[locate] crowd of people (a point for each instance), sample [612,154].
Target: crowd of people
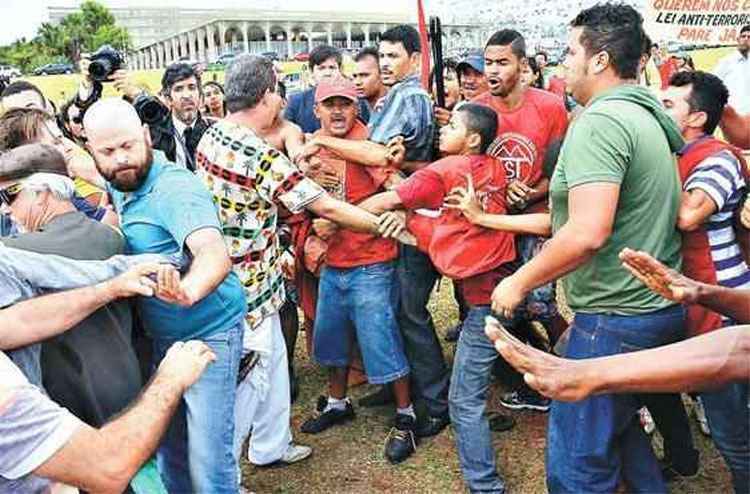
[175,240]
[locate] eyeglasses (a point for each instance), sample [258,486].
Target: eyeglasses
[9,194]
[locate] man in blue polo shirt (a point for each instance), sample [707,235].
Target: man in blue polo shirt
[164,208]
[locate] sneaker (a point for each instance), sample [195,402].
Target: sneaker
[700,416]
[432,426]
[518,400]
[452,334]
[671,472]
[323,419]
[647,422]
[381,397]
[294,453]
[401,442]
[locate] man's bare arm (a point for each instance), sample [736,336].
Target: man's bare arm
[695,208]
[382,202]
[346,215]
[293,137]
[736,127]
[366,153]
[49,315]
[211,264]
[105,460]
[674,286]
[697,363]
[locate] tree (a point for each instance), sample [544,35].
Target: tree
[86,30]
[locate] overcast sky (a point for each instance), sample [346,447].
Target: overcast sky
[20,18]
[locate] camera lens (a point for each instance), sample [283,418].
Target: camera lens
[100,69]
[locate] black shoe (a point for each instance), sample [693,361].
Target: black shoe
[431,426]
[499,422]
[452,334]
[670,471]
[525,401]
[381,397]
[323,420]
[401,442]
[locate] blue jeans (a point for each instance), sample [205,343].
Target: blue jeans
[361,299]
[429,374]
[467,400]
[728,414]
[594,442]
[197,454]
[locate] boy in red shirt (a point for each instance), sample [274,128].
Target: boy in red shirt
[529,122]
[475,257]
[357,289]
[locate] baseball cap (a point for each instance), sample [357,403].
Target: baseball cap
[337,87]
[473,60]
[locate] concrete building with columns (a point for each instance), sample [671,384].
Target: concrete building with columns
[285,33]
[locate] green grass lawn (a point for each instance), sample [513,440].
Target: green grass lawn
[349,458]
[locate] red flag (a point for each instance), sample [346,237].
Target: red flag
[424,41]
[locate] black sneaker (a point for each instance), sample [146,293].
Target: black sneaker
[380,398]
[323,420]
[452,334]
[525,401]
[671,472]
[431,426]
[401,442]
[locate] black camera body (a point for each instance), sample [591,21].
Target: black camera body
[150,109]
[104,62]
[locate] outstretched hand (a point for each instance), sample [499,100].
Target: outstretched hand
[464,200]
[659,278]
[554,377]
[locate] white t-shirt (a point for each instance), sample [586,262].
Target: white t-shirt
[734,70]
[32,429]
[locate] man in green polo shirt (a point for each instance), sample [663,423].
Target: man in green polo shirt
[615,185]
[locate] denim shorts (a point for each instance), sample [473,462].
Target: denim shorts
[361,299]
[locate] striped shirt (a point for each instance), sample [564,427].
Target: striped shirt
[405,111]
[721,178]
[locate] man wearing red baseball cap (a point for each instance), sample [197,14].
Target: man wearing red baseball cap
[358,290]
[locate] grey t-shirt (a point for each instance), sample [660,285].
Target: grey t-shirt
[32,429]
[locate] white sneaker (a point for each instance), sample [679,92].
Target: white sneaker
[647,422]
[295,453]
[700,416]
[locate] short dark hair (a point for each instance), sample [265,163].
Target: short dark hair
[707,94]
[542,53]
[247,80]
[321,53]
[404,34]
[369,51]
[617,29]
[509,37]
[745,29]
[177,72]
[482,120]
[16,87]
[21,126]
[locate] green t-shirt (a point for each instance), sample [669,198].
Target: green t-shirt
[620,142]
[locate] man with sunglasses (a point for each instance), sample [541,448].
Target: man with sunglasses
[91,370]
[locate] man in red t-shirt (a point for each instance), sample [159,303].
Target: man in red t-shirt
[358,292]
[475,257]
[529,122]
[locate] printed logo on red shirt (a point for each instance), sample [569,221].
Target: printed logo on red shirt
[517,153]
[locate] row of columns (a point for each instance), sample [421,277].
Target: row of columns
[200,44]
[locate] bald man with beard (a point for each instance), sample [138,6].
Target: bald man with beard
[164,209]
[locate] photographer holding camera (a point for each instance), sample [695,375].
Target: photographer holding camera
[176,125]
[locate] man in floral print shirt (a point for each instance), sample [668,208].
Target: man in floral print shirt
[249,180]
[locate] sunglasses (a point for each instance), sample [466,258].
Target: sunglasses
[9,194]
